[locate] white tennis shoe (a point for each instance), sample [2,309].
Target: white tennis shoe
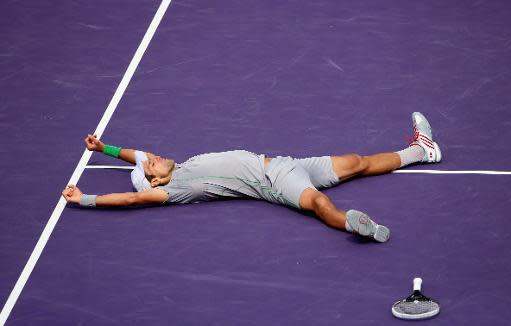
[361,224]
[423,137]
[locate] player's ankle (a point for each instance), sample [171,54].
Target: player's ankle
[410,155]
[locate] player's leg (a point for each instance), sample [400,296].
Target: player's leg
[290,184]
[316,201]
[421,149]
[351,220]
[351,165]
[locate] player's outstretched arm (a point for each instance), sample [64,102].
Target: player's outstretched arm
[96,145]
[149,197]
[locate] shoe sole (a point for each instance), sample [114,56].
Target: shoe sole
[438,152]
[364,226]
[382,233]
[433,159]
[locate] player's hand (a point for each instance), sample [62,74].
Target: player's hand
[94,144]
[72,194]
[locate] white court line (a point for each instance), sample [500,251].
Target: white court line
[123,167]
[454,172]
[45,235]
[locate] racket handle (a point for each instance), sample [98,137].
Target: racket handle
[417,283]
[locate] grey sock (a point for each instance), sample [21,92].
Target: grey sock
[411,155]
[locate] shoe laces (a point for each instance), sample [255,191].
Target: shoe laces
[413,140]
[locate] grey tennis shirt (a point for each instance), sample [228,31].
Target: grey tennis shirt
[240,173]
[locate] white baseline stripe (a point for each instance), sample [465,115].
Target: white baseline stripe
[110,167]
[454,172]
[45,235]
[120,167]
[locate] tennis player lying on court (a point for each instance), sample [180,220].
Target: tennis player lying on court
[239,173]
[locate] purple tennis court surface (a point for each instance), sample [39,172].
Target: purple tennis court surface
[275,77]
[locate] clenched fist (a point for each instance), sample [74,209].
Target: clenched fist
[72,194]
[94,144]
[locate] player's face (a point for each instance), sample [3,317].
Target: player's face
[158,167]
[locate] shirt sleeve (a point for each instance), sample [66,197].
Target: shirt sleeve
[179,193]
[138,178]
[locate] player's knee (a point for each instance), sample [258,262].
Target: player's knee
[360,164]
[312,199]
[320,201]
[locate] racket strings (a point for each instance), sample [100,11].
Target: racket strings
[416,307]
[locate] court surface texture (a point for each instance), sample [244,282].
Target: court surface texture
[298,78]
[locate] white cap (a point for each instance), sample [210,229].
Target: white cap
[417,283]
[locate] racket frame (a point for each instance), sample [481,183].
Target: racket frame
[416,296]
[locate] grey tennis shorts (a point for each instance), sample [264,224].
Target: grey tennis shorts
[289,177]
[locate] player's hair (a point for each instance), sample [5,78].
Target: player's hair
[150,177]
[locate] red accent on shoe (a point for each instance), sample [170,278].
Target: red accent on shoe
[416,135]
[414,139]
[426,140]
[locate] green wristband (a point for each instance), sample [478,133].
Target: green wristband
[112,151]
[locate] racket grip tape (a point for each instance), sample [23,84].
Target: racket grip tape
[417,283]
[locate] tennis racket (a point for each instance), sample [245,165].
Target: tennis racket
[416,306]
